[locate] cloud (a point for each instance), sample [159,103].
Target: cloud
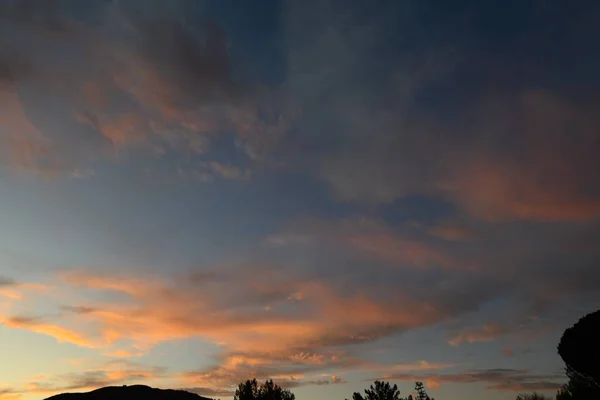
[513,380]
[24,146]
[451,231]
[111,373]
[299,337]
[474,174]
[123,354]
[404,125]
[153,83]
[371,238]
[209,392]
[495,185]
[19,290]
[316,313]
[9,394]
[167,88]
[229,172]
[6,282]
[79,309]
[59,333]
[486,333]
[235,369]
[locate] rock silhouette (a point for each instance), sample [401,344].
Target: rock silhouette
[134,392]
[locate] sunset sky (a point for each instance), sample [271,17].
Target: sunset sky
[324,192]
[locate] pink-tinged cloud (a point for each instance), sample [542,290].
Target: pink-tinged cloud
[371,237]
[402,250]
[529,155]
[486,333]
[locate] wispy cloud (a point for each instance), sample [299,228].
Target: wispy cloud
[58,332]
[514,380]
[371,237]
[107,374]
[486,333]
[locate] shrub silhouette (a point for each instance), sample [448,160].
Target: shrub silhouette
[251,390]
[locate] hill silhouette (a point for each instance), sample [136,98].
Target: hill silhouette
[134,392]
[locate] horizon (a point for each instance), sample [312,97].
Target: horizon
[325,193]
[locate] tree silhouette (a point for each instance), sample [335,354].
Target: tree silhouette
[578,389]
[579,348]
[247,390]
[251,390]
[421,393]
[379,391]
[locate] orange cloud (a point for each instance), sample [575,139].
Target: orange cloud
[294,339]
[9,394]
[59,333]
[17,290]
[547,173]
[123,354]
[402,250]
[500,191]
[529,155]
[372,237]
[486,333]
[451,231]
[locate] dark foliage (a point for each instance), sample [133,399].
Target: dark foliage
[579,348]
[578,389]
[384,391]
[251,390]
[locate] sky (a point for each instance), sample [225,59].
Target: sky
[322,192]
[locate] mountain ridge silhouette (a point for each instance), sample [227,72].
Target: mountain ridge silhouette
[125,392]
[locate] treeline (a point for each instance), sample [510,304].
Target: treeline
[252,390]
[579,348]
